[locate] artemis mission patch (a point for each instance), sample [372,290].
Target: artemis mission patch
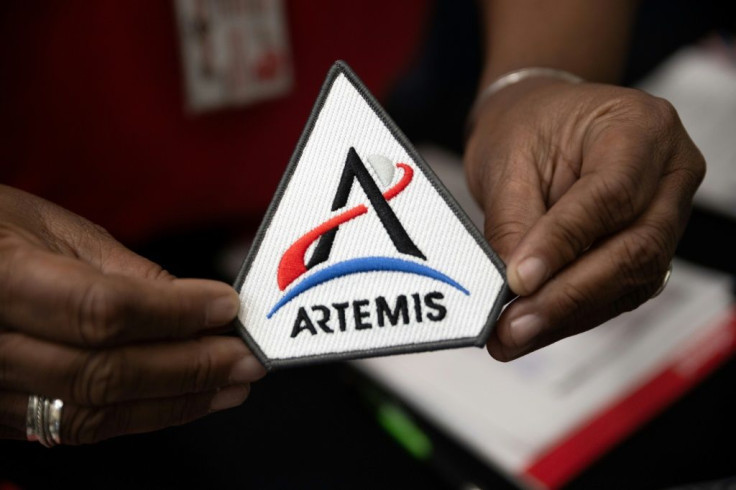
[363,252]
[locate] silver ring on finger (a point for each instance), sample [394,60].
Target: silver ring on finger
[665,280]
[43,420]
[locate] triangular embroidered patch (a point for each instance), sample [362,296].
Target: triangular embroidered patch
[363,252]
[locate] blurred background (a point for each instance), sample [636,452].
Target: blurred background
[169,123]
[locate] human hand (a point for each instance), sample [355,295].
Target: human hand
[586,190]
[125,345]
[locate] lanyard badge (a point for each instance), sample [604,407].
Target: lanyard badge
[234,53]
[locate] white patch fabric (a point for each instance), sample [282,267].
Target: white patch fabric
[346,265]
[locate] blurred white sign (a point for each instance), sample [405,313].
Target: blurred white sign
[234,52]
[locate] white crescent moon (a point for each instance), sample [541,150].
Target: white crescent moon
[383,167]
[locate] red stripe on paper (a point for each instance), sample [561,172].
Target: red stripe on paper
[557,465]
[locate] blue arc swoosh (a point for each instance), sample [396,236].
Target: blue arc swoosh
[363,264]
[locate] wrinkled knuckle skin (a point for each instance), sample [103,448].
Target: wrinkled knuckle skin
[187,409]
[155,272]
[12,255]
[568,302]
[100,231]
[653,116]
[635,298]
[571,302]
[691,172]
[663,124]
[634,102]
[665,112]
[615,139]
[638,296]
[699,168]
[501,234]
[474,159]
[615,200]
[5,367]
[99,380]
[100,321]
[650,105]
[202,375]
[645,257]
[91,231]
[83,425]
[568,237]
[91,425]
[182,411]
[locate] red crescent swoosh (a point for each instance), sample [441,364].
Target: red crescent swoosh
[292,264]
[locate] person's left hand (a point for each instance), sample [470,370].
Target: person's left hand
[127,347]
[586,190]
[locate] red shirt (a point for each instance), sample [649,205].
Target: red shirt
[92,108]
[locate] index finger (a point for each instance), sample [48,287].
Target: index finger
[624,173]
[512,202]
[63,299]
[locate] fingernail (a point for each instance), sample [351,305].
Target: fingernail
[532,272]
[246,370]
[222,310]
[229,397]
[525,328]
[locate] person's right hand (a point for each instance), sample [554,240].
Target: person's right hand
[127,347]
[586,190]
